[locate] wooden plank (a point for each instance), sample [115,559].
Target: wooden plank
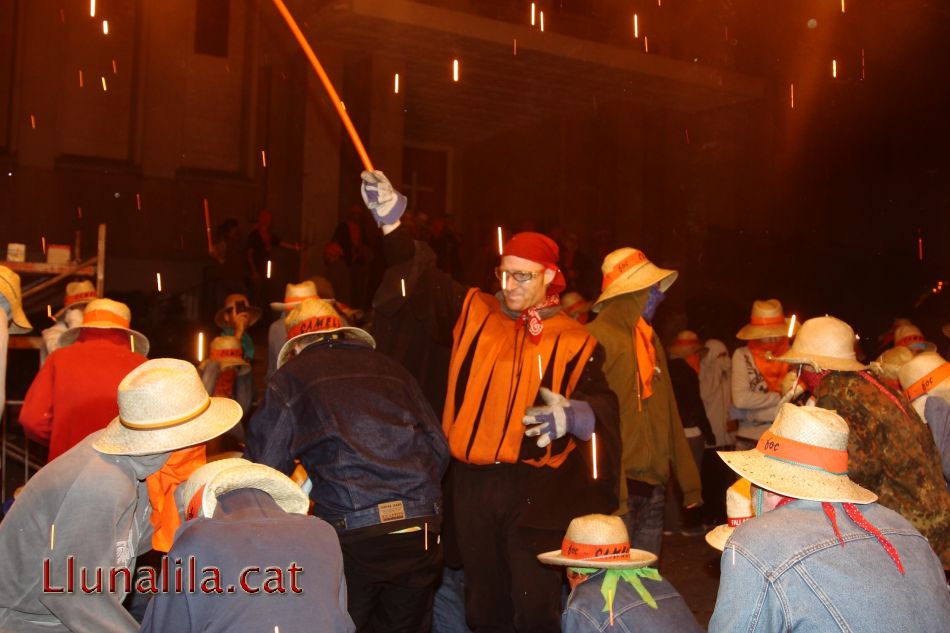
[26,342]
[42,268]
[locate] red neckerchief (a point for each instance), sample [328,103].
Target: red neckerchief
[533,321]
[890,396]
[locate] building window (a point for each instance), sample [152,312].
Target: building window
[212,19]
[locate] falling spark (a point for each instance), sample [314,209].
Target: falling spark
[92,8]
[834,68]
[725,32]
[687,135]
[593,451]
[43,241]
[264,155]
[636,25]
[659,3]
[532,14]
[504,280]
[201,346]
[268,269]
[540,369]
[52,535]
[920,249]
[208,225]
[402,283]
[514,46]
[791,326]
[862,63]
[132,340]
[541,16]
[342,105]
[105,27]
[842,6]
[115,67]
[138,202]
[105,88]
[455,70]
[79,212]
[49,311]
[80,79]
[792,95]
[646,44]
[158,280]
[425,531]
[276,629]
[33,121]
[500,242]
[396,83]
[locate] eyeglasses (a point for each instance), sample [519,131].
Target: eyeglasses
[520,276]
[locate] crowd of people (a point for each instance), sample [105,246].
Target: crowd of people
[475,461]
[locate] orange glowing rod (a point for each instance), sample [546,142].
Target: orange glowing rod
[328,86]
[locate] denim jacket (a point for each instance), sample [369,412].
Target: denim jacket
[361,427]
[585,613]
[786,570]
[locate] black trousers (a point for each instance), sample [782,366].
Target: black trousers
[391,581]
[506,588]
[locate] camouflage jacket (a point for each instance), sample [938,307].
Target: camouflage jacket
[892,452]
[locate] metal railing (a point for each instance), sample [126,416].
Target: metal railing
[18,451]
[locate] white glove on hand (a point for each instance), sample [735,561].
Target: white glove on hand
[385,203]
[559,417]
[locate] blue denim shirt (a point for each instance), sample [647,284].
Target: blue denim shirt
[786,571]
[585,609]
[360,425]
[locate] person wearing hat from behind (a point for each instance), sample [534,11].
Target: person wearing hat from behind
[891,451]
[373,448]
[909,335]
[636,370]
[12,321]
[821,555]
[925,380]
[243,516]
[738,511]
[73,394]
[756,379]
[888,364]
[235,317]
[277,333]
[92,508]
[613,584]
[78,294]
[225,373]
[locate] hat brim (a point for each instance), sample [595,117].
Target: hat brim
[288,495]
[220,416]
[351,333]
[638,279]
[820,363]
[638,558]
[19,324]
[78,304]
[227,363]
[750,332]
[254,315]
[795,481]
[718,536]
[141,344]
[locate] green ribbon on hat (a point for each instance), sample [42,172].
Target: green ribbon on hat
[608,588]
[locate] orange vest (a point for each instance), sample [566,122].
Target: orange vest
[500,377]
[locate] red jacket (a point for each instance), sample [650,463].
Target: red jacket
[74,392]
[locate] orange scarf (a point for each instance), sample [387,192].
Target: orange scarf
[224,385]
[772,370]
[161,493]
[646,357]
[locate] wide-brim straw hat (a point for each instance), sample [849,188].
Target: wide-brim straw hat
[574,304]
[767,320]
[78,294]
[313,319]
[738,511]
[685,344]
[220,477]
[106,314]
[888,364]
[253,312]
[804,455]
[10,289]
[294,294]
[598,541]
[909,335]
[228,353]
[925,372]
[824,343]
[163,406]
[627,270]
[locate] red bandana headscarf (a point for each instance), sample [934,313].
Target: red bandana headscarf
[543,250]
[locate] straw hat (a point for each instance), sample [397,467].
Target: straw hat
[315,318]
[804,454]
[767,321]
[574,304]
[824,343]
[910,336]
[889,363]
[106,314]
[253,312]
[738,511]
[78,294]
[163,406]
[294,294]
[10,289]
[628,270]
[924,373]
[599,541]
[685,344]
[214,479]
[227,351]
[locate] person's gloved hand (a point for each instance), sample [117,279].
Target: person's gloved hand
[385,203]
[559,417]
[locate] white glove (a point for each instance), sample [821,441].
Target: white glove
[560,417]
[385,203]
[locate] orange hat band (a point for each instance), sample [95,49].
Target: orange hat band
[909,340]
[226,353]
[299,299]
[685,342]
[169,423]
[582,551]
[81,296]
[800,454]
[623,266]
[928,382]
[772,320]
[577,304]
[316,324]
[92,316]
[737,521]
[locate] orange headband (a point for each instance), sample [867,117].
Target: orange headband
[104,315]
[623,266]
[801,454]
[315,324]
[71,299]
[226,353]
[928,382]
[582,551]
[169,423]
[772,320]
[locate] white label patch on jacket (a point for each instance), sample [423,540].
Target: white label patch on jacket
[391,511]
[123,553]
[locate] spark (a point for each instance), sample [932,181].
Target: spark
[792,95]
[33,121]
[396,83]
[500,242]
[532,13]
[115,67]
[49,311]
[138,202]
[201,346]
[791,326]
[158,281]
[842,6]
[504,280]
[264,155]
[646,44]
[79,212]
[687,135]
[80,79]
[132,340]
[425,537]
[268,269]
[208,224]
[342,105]
[862,63]
[455,70]
[920,249]
[402,283]
[540,369]
[52,535]
[541,16]
[593,451]
[636,25]
[834,68]
[105,88]
[105,27]
[92,8]
[43,242]
[514,46]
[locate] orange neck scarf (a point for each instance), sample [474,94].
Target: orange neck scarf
[161,493]
[773,371]
[646,357]
[224,385]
